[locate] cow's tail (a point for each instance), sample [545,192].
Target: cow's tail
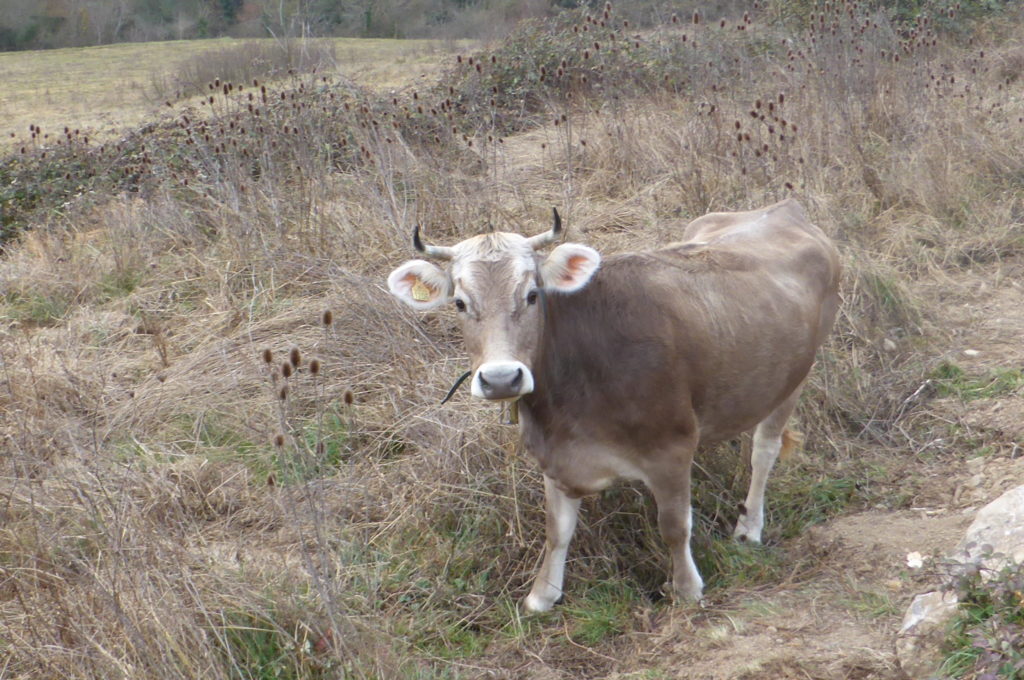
[791,442]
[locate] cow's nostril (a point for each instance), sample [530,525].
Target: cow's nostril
[502,380]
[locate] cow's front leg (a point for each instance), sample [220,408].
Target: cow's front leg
[562,512]
[671,488]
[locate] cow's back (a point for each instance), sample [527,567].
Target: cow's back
[717,327]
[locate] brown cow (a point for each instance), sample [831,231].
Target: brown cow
[623,367]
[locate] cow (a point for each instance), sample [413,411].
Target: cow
[622,366]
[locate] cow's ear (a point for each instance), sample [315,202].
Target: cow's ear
[420,284]
[569,267]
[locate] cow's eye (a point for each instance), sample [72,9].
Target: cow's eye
[531,297]
[460,304]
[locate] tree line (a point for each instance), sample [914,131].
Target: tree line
[43,24]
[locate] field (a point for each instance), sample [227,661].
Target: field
[112,88]
[184,493]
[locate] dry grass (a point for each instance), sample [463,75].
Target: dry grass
[153,528]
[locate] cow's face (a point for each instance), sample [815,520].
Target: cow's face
[497,283]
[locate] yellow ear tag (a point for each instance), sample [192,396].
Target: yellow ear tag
[420,291]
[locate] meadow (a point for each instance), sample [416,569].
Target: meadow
[224,454]
[111,89]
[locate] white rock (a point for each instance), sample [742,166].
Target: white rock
[1000,524]
[919,641]
[995,537]
[971,352]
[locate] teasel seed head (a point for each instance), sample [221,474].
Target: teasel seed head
[348,398]
[268,356]
[314,366]
[278,442]
[283,394]
[295,357]
[286,369]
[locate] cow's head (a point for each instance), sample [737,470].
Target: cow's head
[497,284]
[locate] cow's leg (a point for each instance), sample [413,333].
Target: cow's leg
[670,483]
[561,524]
[768,441]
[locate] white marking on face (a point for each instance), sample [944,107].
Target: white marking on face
[493,276]
[498,246]
[502,380]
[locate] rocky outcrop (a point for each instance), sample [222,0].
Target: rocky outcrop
[994,539]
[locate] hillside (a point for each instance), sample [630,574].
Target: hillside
[184,495]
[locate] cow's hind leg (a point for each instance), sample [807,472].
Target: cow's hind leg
[770,437]
[562,512]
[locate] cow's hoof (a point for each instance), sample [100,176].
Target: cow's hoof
[746,531]
[693,595]
[535,604]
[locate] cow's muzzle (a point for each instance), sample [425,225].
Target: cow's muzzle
[502,380]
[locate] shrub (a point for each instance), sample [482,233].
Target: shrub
[987,637]
[263,59]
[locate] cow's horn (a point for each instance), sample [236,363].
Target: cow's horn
[438,252]
[547,237]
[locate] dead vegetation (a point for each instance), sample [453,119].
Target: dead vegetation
[174,505]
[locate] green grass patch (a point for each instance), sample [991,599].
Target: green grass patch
[726,563]
[457,640]
[258,648]
[326,443]
[35,309]
[602,613]
[119,283]
[892,301]
[872,604]
[317,448]
[212,431]
[803,502]
[952,381]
